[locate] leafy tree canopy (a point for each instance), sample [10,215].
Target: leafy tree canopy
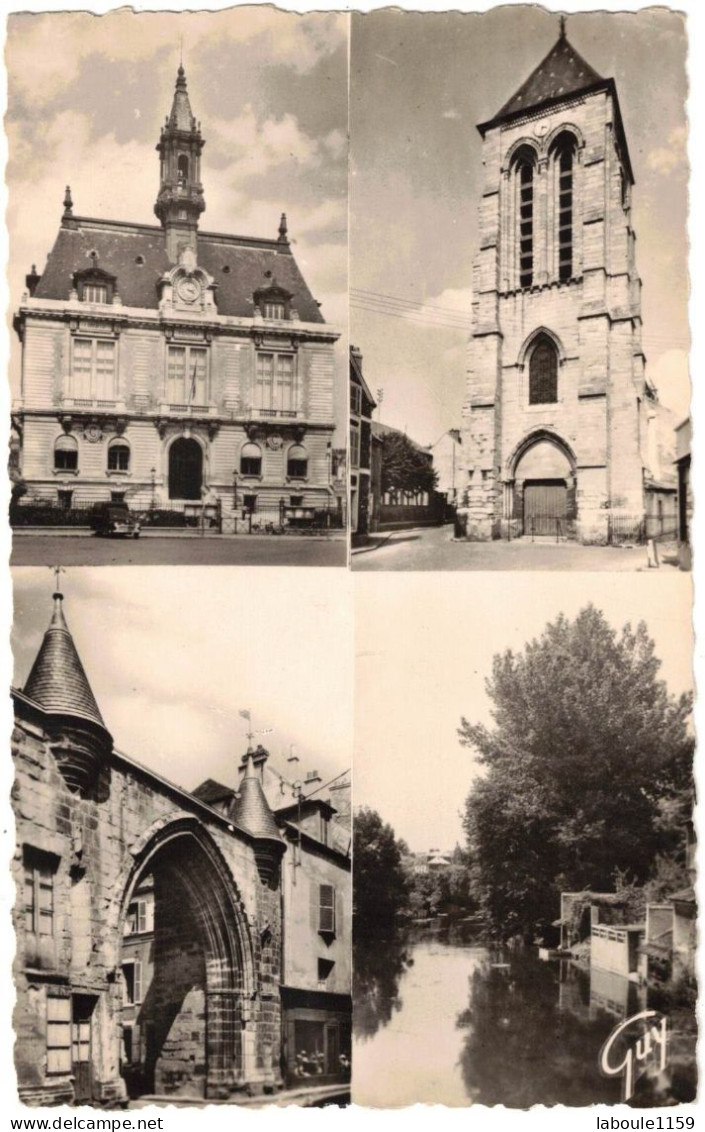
[405,467]
[589,769]
[379,884]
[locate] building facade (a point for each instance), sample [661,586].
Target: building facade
[560,423]
[172,367]
[362,407]
[150,921]
[446,462]
[316,985]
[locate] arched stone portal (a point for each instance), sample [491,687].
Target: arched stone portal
[185,469]
[543,496]
[186,970]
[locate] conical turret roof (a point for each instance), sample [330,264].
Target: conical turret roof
[181,117]
[250,809]
[563,72]
[57,681]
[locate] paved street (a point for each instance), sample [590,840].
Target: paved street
[433,548]
[250,550]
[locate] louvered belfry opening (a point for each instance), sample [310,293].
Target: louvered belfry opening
[543,373]
[565,159]
[526,223]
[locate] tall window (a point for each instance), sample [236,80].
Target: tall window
[187,375]
[118,456]
[132,981]
[297,462]
[564,210]
[543,373]
[251,460]
[326,909]
[354,446]
[39,873]
[94,370]
[356,400]
[66,454]
[525,178]
[276,376]
[140,917]
[58,1034]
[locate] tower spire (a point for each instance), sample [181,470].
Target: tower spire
[180,199]
[57,680]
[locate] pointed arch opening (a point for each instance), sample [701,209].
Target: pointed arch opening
[185,971]
[543,371]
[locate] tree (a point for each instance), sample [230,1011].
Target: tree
[405,468]
[589,764]
[380,892]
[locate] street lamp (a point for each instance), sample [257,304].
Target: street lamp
[153,504]
[235,490]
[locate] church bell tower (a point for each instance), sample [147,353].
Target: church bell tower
[558,406]
[180,200]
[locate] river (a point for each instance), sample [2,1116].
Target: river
[443,1019]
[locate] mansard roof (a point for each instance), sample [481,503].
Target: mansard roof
[57,681]
[136,255]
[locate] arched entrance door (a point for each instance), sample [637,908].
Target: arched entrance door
[184,964]
[185,469]
[544,489]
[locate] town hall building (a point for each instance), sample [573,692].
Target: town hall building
[169,367]
[563,433]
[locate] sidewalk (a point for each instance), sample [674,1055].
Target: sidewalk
[175,532]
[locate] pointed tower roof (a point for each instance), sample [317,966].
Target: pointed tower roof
[561,73]
[58,682]
[181,117]
[250,809]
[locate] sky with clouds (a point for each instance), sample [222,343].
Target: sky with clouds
[420,82]
[173,655]
[87,96]
[416,678]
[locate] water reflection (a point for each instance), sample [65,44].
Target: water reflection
[452,1021]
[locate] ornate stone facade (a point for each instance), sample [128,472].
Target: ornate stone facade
[94,829]
[169,366]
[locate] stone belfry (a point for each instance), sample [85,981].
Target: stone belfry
[559,416]
[180,201]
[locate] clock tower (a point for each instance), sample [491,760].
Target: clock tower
[180,200]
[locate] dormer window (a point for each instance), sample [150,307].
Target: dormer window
[95,293]
[273,301]
[94,285]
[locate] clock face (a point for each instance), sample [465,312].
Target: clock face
[188,290]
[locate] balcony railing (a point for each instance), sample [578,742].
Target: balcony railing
[287,414]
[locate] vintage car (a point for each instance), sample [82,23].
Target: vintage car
[115,520]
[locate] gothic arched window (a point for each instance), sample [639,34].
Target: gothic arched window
[524,232]
[564,156]
[543,373]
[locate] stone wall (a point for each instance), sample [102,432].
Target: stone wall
[97,848]
[593,318]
